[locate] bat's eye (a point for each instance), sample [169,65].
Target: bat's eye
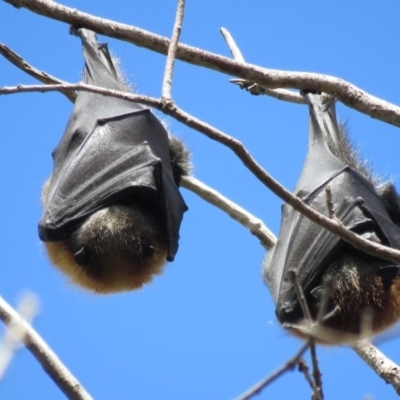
[76,139]
[147,249]
[81,257]
[302,193]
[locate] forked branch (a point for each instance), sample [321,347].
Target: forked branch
[344,91]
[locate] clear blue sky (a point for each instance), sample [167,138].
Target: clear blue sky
[206,328]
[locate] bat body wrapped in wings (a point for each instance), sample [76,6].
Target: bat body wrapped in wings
[112,208]
[359,284]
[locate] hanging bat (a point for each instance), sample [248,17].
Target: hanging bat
[356,286]
[112,208]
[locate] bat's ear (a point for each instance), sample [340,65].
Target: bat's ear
[388,274]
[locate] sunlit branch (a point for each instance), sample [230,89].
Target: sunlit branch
[42,352]
[242,153]
[172,49]
[41,76]
[344,91]
[383,366]
[239,214]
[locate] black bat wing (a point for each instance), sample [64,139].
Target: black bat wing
[117,151]
[307,247]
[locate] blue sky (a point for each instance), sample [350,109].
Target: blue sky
[206,328]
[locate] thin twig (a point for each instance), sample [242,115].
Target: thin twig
[27,309]
[383,366]
[239,214]
[334,226]
[42,352]
[303,368]
[41,76]
[233,48]
[300,295]
[172,48]
[329,202]
[318,393]
[343,91]
[290,364]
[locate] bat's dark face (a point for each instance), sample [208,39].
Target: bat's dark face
[112,208]
[347,292]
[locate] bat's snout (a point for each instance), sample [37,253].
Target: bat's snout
[289,313]
[48,232]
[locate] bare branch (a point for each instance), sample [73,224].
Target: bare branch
[329,202]
[42,352]
[318,393]
[383,366]
[239,214]
[344,91]
[27,309]
[303,368]
[173,47]
[300,295]
[317,385]
[334,226]
[290,364]
[233,48]
[41,76]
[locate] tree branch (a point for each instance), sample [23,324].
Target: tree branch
[290,364]
[27,309]
[237,147]
[233,47]
[239,214]
[42,352]
[344,91]
[41,76]
[254,88]
[383,366]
